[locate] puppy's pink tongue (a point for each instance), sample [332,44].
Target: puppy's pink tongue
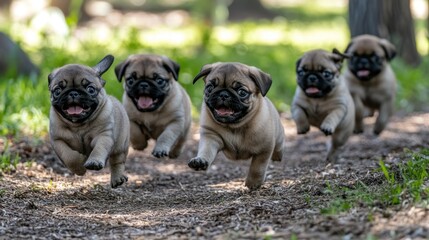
[311,90]
[75,110]
[224,111]
[363,73]
[145,102]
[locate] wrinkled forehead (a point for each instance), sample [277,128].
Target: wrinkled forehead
[75,75]
[146,65]
[228,71]
[367,47]
[317,61]
[231,75]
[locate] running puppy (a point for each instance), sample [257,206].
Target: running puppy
[238,119]
[87,126]
[322,98]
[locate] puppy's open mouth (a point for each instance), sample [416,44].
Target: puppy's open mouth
[224,112]
[363,73]
[312,90]
[145,102]
[75,110]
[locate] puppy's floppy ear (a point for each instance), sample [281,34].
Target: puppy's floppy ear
[388,48]
[50,77]
[120,69]
[348,48]
[337,57]
[205,70]
[298,62]
[104,65]
[171,66]
[262,80]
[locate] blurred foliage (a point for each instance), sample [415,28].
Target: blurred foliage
[273,46]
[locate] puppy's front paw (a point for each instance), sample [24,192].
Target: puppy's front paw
[303,129]
[160,152]
[114,183]
[254,184]
[358,131]
[327,130]
[94,164]
[198,164]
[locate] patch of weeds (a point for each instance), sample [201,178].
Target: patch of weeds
[2,192]
[407,180]
[345,198]
[8,161]
[29,163]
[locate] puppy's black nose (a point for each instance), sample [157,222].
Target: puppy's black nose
[143,85]
[312,79]
[224,95]
[364,63]
[74,94]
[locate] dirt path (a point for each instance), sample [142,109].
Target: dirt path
[166,199]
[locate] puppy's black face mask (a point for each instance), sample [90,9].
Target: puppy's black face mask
[365,66]
[315,83]
[228,105]
[147,92]
[75,104]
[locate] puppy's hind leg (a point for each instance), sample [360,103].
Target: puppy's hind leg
[177,149]
[339,138]
[256,176]
[138,139]
[386,110]
[117,169]
[278,152]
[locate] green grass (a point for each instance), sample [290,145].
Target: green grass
[8,161]
[405,181]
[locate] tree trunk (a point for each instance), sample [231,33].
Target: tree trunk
[386,19]
[5,8]
[364,17]
[400,29]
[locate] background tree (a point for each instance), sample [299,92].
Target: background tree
[387,19]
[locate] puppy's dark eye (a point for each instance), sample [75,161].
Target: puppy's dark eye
[300,73]
[327,74]
[91,90]
[209,88]
[130,81]
[375,59]
[160,81]
[57,92]
[242,93]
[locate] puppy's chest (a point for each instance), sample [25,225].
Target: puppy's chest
[151,125]
[318,110]
[240,146]
[81,141]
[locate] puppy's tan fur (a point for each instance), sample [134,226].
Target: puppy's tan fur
[377,94]
[333,113]
[104,135]
[258,136]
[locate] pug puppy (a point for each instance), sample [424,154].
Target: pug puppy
[87,126]
[157,106]
[371,80]
[322,98]
[238,119]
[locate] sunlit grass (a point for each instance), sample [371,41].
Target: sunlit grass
[402,182]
